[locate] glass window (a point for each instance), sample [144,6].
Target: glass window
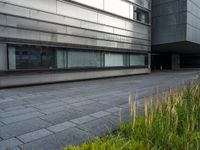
[142,16]
[115,59]
[84,59]
[137,60]
[12,58]
[31,57]
[40,57]
[61,59]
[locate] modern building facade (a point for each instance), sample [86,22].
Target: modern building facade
[43,41]
[175,34]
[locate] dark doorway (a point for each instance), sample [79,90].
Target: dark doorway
[190,60]
[161,61]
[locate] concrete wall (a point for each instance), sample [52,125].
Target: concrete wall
[21,80]
[3,57]
[169,21]
[63,22]
[193,21]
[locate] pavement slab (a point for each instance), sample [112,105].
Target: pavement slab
[10,143]
[72,136]
[22,127]
[57,115]
[32,136]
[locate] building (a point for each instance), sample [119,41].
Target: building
[175,34]
[44,41]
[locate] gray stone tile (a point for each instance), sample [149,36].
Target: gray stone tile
[33,104]
[10,143]
[1,111]
[72,136]
[61,126]
[116,101]
[82,120]
[69,100]
[13,103]
[20,117]
[101,126]
[31,136]
[62,116]
[82,103]
[92,108]
[100,114]
[124,106]
[113,109]
[14,108]
[50,105]
[1,124]
[15,148]
[22,127]
[17,112]
[6,100]
[54,110]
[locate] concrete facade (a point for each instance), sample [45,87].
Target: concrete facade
[98,26]
[193,21]
[66,22]
[175,31]
[169,19]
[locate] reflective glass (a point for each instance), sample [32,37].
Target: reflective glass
[23,57]
[114,59]
[142,16]
[84,59]
[61,59]
[137,60]
[31,57]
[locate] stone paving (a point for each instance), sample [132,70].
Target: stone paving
[49,117]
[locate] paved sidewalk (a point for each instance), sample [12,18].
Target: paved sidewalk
[49,117]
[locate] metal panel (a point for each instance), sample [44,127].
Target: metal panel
[169,21]
[193,21]
[94,3]
[47,5]
[76,12]
[11,9]
[111,21]
[75,22]
[118,7]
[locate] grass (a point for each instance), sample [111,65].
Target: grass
[170,122]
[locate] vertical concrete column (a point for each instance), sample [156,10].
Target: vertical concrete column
[175,61]
[3,57]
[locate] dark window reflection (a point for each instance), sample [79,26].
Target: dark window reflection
[35,57]
[142,16]
[32,57]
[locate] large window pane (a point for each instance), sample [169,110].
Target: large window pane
[31,57]
[39,57]
[137,60]
[114,59]
[61,58]
[84,59]
[12,58]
